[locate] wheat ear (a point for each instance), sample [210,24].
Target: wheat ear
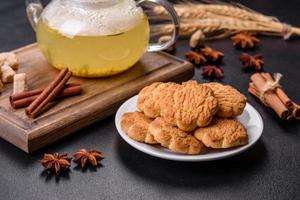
[198,10]
[212,25]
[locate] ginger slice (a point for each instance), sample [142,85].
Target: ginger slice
[20,83]
[9,59]
[7,74]
[2,59]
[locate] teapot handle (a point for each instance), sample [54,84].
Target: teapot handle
[34,9]
[175,20]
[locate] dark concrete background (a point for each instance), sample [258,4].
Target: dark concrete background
[269,170]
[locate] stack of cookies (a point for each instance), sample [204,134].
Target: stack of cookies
[188,118]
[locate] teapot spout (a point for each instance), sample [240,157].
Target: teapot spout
[34,9]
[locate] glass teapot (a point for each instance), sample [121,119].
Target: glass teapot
[95,38]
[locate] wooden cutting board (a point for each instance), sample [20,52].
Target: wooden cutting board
[101,97]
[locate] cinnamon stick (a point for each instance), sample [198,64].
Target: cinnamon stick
[23,95]
[51,92]
[24,99]
[296,111]
[271,98]
[280,93]
[253,90]
[15,97]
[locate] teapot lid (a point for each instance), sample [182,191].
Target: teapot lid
[92,17]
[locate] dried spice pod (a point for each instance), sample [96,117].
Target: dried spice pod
[212,54]
[249,61]
[195,58]
[212,72]
[245,40]
[84,157]
[56,162]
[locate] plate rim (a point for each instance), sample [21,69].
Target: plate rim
[183,157]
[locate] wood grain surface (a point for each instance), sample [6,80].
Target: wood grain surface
[101,97]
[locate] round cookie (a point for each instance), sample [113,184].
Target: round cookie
[222,133]
[135,125]
[231,101]
[174,139]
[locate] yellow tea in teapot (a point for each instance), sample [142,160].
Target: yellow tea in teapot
[91,56]
[95,38]
[93,53]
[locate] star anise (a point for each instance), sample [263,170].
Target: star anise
[245,40]
[195,58]
[83,156]
[249,61]
[56,162]
[211,71]
[212,54]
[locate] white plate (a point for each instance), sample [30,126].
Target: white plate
[250,118]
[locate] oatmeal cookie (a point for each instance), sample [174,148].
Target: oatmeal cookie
[135,125]
[222,133]
[174,139]
[231,101]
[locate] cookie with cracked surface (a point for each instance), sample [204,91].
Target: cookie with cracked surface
[231,101]
[194,105]
[149,98]
[186,106]
[136,126]
[143,103]
[222,133]
[175,139]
